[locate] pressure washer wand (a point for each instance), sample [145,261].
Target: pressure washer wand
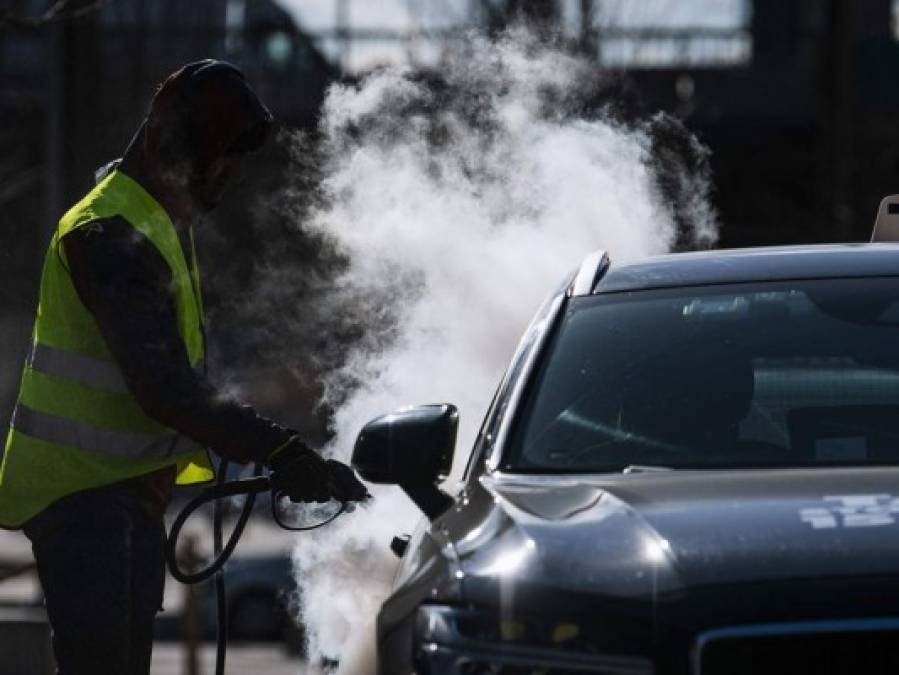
[222,489]
[216,493]
[232,488]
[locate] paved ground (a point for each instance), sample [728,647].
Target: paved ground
[169,659]
[261,537]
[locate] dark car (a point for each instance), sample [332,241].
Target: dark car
[691,466]
[260,599]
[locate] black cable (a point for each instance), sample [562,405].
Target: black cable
[221,554]
[222,488]
[344,508]
[221,606]
[249,487]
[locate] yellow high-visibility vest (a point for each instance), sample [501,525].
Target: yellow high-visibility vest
[76,426]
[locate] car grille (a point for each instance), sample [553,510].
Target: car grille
[847,652]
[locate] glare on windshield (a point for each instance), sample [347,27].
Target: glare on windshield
[793,373]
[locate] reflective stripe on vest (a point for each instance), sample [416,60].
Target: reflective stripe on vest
[86,370]
[112,442]
[77,425]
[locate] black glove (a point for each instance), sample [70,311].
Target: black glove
[300,473]
[304,476]
[344,485]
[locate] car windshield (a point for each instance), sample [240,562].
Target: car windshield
[794,373]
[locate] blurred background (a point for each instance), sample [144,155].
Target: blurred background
[796,101]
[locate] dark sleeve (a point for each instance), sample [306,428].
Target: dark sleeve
[124,282]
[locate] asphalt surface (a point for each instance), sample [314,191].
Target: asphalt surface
[169,659]
[260,538]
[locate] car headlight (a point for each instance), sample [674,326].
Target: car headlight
[461,641]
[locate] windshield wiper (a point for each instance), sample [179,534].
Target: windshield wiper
[645,468]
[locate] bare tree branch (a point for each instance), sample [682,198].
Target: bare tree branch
[61,10]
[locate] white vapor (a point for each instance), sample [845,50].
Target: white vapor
[460,207]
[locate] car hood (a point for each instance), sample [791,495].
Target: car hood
[647,534]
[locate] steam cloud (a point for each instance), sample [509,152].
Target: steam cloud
[457,203]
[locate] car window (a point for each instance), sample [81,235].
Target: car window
[778,374]
[501,399]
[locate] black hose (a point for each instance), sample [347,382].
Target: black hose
[222,488]
[221,606]
[344,508]
[221,554]
[249,487]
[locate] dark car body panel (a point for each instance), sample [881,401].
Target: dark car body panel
[753,264]
[646,563]
[644,535]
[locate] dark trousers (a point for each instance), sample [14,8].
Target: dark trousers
[100,559]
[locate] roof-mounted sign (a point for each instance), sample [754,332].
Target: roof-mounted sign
[886,227]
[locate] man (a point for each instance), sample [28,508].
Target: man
[114,406]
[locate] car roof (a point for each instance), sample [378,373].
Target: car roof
[751,264]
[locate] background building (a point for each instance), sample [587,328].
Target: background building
[795,100]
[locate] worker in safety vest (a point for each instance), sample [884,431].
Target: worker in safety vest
[114,407]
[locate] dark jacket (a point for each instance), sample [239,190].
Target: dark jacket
[124,282]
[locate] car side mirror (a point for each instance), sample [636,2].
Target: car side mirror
[413,448]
